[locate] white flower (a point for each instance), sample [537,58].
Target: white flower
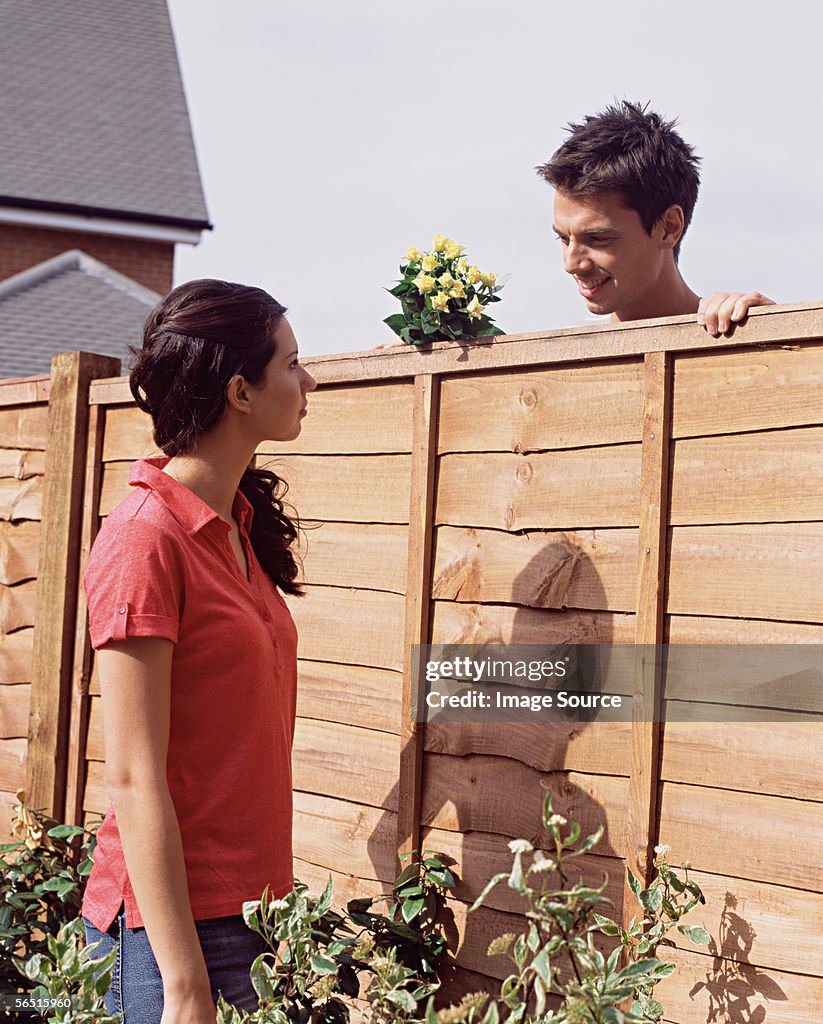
[543,865]
[556,819]
[662,850]
[278,904]
[520,846]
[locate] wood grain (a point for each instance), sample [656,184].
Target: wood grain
[776,476]
[501,795]
[502,624]
[19,552]
[362,555]
[766,571]
[15,699]
[346,762]
[587,569]
[538,410]
[747,389]
[15,655]
[589,487]
[352,627]
[707,826]
[21,499]
[349,694]
[23,426]
[18,606]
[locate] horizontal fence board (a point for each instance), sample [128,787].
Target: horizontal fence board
[594,569]
[771,477]
[745,749]
[586,487]
[18,464]
[19,551]
[346,887]
[746,835]
[24,426]
[704,989]
[371,556]
[7,816]
[353,627]
[765,925]
[15,655]
[346,762]
[478,856]
[127,435]
[13,764]
[17,605]
[536,410]
[21,499]
[460,982]
[25,391]
[346,837]
[345,488]
[473,933]
[367,419]
[95,750]
[95,794]
[767,571]
[349,694]
[14,710]
[502,624]
[747,389]
[599,747]
[503,796]
[688,629]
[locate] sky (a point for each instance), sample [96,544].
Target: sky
[333,135]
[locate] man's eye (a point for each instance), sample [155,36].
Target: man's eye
[562,238]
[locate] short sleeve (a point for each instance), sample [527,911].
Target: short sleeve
[134,583]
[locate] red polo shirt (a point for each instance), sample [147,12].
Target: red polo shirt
[163,565]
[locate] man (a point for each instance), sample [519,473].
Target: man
[625,188]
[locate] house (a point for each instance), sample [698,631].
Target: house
[98,175]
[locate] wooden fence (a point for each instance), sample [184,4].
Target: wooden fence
[637,484]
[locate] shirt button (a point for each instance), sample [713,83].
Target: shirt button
[122,609]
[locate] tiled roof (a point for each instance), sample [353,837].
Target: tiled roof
[70,301]
[92,111]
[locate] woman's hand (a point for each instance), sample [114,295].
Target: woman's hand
[189,1008]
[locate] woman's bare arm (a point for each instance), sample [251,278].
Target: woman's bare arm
[135,681]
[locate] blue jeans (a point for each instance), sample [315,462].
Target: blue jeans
[136,991]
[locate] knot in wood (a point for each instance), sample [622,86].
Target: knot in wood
[524,472]
[528,398]
[509,517]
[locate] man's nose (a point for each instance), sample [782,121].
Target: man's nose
[576,258]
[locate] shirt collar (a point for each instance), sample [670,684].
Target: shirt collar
[190,511]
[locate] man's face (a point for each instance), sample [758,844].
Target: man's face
[617,265]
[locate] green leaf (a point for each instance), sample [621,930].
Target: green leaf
[411,908]
[65,831]
[652,899]
[322,964]
[396,322]
[541,966]
[442,877]
[406,875]
[430,321]
[403,999]
[697,934]
[634,883]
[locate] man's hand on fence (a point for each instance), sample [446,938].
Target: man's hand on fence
[718,311]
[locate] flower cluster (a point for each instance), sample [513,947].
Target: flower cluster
[443,296]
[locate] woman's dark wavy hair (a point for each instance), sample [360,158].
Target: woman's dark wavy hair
[194,341]
[633,151]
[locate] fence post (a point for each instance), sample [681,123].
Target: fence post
[418,591]
[651,581]
[57,581]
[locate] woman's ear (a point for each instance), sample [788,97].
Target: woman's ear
[237,393]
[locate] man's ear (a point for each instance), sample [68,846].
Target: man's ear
[237,393]
[670,226]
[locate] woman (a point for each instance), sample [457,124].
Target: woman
[196,654]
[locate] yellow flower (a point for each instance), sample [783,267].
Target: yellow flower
[440,302]
[413,254]
[457,292]
[489,279]
[475,308]
[424,283]
[429,262]
[453,250]
[445,281]
[462,265]
[440,242]
[473,275]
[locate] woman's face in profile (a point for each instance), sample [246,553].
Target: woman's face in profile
[280,398]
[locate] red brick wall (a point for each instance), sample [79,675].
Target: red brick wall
[151,263]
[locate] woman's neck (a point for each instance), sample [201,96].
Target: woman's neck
[213,473]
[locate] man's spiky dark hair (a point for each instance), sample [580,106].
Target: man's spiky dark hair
[633,151]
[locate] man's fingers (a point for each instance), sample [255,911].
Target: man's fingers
[745,303]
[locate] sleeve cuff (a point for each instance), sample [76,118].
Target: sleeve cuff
[124,622]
